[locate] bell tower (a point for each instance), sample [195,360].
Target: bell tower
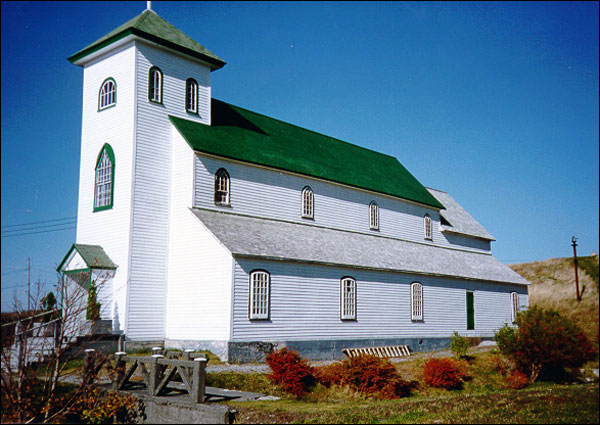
[135,77]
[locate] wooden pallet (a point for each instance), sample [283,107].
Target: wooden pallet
[387,351]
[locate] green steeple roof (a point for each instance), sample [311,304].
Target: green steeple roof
[243,135]
[149,26]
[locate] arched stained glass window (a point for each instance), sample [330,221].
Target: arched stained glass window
[108,94]
[348,298]
[427,227]
[514,306]
[416,301]
[373,216]
[308,204]
[105,176]
[259,294]
[191,96]
[222,187]
[155,85]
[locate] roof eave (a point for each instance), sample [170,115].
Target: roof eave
[81,57]
[446,229]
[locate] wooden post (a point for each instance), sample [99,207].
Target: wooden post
[574,243]
[119,370]
[88,365]
[155,373]
[157,350]
[187,353]
[199,379]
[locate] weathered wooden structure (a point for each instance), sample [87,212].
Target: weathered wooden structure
[158,372]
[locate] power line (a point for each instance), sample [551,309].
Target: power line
[37,227]
[42,231]
[39,222]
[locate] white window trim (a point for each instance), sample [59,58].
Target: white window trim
[107,96]
[514,306]
[428,227]
[348,298]
[373,216]
[191,96]
[259,296]
[156,86]
[416,301]
[222,185]
[308,203]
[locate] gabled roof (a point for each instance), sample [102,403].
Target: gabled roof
[149,26]
[460,221]
[277,240]
[243,135]
[93,256]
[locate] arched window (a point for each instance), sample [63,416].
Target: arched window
[191,96]
[155,85]
[259,295]
[105,177]
[373,215]
[416,301]
[222,187]
[427,227]
[348,298]
[108,94]
[514,306]
[308,204]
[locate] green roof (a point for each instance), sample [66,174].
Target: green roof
[93,255]
[239,134]
[149,26]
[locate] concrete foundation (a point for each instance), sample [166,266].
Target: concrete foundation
[170,410]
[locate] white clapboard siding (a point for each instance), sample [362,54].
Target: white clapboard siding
[200,268]
[270,193]
[305,304]
[115,126]
[151,186]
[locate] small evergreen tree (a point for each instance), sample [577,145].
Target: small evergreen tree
[93,306]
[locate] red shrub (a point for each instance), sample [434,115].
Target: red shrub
[443,373]
[290,371]
[330,375]
[516,380]
[544,343]
[368,375]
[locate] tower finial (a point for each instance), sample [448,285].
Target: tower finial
[149,5]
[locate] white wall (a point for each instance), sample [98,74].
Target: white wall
[151,186]
[270,193]
[304,304]
[200,268]
[115,126]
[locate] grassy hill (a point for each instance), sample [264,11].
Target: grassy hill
[553,286]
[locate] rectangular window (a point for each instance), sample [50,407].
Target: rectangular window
[348,299]
[514,301]
[259,295]
[416,301]
[470,311]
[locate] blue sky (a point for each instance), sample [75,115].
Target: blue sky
[495,103]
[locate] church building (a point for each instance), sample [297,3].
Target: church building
[220,228]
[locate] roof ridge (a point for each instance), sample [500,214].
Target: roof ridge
[306,129]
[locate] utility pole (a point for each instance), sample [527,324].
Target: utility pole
[574,243]
[28,283]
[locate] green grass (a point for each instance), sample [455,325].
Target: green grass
[540,404]
[483,399]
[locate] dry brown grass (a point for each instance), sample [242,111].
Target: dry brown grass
[553,286]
